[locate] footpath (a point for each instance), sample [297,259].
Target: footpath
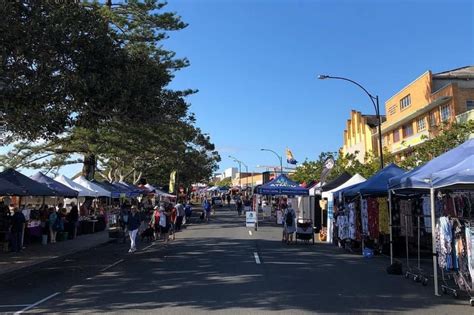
[35,254]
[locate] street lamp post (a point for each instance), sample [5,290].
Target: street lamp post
[375,102]
[279,158]
[240,169]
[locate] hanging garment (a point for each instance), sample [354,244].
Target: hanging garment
[373,216]
[427,213]
[469,230]
[352,221]
[406,225]
[384,219]
[444,248]
[343,227]
[364,217]
[448,207]
[439,207]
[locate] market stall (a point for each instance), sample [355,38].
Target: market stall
[282,186]
[328,194]
[363,217]
[443,181]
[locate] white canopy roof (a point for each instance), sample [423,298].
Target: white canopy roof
[314,189]
[99,191]
[82,191]
[159,192]
[356,179]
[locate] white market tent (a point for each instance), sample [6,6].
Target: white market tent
[98,190]
[315,190]
[356,179]
[82,191]
[159,192]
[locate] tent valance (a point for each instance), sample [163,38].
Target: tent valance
[282,185]
[81,190]
[27,186]
[377,184]
[60,189]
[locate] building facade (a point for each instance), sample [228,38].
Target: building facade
[360,135]
[417,112]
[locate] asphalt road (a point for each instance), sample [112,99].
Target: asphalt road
[220,268]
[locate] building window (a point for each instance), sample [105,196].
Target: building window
[405,102]
[420,124]
[407,130]
[396,136]
[470,104]
[432,119]
[392,109]
[445,112]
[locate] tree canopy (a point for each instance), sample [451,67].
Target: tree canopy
[89,83]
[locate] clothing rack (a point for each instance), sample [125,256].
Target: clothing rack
[417,274]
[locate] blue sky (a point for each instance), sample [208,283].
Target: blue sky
[255,65]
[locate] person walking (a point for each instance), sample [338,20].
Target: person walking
[180,211]
[207,209]
[289,224]
[73,218]
[164,223]
[173,218]
[18,225]
[228,200]
[133,224]
[239,204]
[54,221]
[188,210]
[155,222]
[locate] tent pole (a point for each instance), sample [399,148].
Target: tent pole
[390,221]
[433,240]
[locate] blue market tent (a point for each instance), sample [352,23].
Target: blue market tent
[460,176]
[29,186]
[421,177]
[114,191]
[129,190]
[377,184]
[9,189]
[282,185]
[58,188]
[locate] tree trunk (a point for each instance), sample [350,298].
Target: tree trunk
[89,166]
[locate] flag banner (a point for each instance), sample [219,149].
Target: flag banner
[172,181]
[290,158]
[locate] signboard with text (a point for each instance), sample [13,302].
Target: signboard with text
[250,218]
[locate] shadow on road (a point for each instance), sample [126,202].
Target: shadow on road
[215,273]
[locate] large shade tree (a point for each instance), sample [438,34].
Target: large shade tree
[94,90]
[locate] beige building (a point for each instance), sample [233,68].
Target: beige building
[360,135]
[418,110]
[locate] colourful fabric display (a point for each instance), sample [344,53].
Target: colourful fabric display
[384,216]
[373,216]
[364,217]
[352,221]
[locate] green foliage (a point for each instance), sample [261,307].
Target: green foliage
[91,83]
[225,182]
[449,137]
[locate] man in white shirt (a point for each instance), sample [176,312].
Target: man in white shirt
[180,215]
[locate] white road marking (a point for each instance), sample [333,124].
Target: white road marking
[257,259]
[113,265]
[37,303]
[250,232]
[145,248]
[14,305]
